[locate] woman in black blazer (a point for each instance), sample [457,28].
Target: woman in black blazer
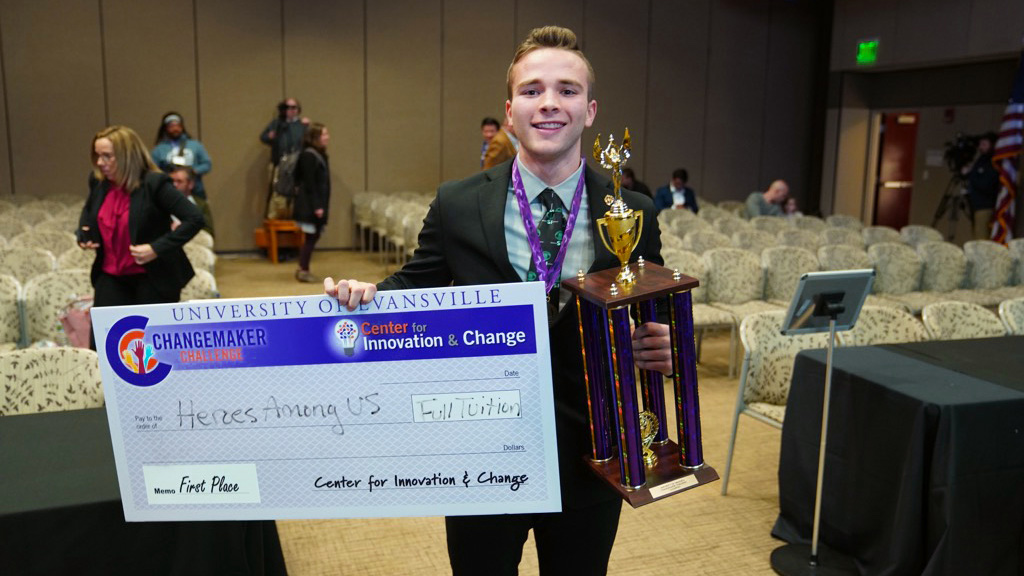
[127,220]
[313,194]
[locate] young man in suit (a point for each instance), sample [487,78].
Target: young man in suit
[474,233]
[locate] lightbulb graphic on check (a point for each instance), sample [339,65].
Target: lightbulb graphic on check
[347,333]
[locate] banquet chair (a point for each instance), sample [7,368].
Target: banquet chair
[799,238]
[730,226]
[46,296]
[754,241]
[809,223]
[898,275]
[735,283]
[202,286]
[770,224]
[49,205]
[54,241]
[735,207]
[200,257]
[7,207]
[60,222]
[1011,312]
[944,272]
[49,380]
[876,234]
[783,267]
[700,241]
[709,213]
[1016,247]
[848,236]
[76,258]
[844,221]
[960,321]
[766,373]
[25,263]
[916,234]
[11,226]
[32,216]
[705,316]
[670,240]
[11,333]
[683,226]
[204,239]
[990,272]
[883,325]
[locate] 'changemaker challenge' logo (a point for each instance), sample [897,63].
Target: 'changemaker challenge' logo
[131,358]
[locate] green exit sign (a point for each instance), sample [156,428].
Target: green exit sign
[867,52]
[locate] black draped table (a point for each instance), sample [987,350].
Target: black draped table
[60,511]
[924,468]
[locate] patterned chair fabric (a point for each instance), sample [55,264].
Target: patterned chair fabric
[59,223]
[76,258]
[770,224]
[668,216]
[32,216]
[783,267]
[809,223]
[26,263]
[735,207]
[11,226]
[916,234]
[1012,314]
[711,213]
[10,312]
[689,264]
[199,257]
[668,240]
[799,238]
[48,205]
[848,236]
[204,239]
[734,276]
[683,226]
[753,240]
[55,242]
[202,286]
[989,265]
[7,207]
[1016,247]
[700,241]
[897,268]
[944,266]
[46,296]
[766,374]
[844,221]
[730,226]
[49,380]
[876,234]
[842,257]
[883,325]
[960,320]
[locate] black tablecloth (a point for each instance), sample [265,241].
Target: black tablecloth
[60,511]
[924,470]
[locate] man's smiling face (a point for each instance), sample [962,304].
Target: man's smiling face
[550,106]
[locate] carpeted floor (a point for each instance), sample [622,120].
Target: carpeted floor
[695,532]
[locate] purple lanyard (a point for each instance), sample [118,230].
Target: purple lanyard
[533,237]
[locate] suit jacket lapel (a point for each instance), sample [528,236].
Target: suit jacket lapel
[492,196]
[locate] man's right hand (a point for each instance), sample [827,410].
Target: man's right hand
[350,293]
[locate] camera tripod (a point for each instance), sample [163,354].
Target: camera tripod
[953,203]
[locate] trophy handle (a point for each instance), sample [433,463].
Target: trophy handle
[602,224]
[639,230]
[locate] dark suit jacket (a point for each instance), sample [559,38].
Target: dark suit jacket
[663,198]
[149,222]
[463,243]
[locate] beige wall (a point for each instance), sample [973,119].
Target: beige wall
[720,87]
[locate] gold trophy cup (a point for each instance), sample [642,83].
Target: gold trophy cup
[621,226]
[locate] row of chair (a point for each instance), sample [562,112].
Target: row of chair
[49,379]
[391,222]
[768,359]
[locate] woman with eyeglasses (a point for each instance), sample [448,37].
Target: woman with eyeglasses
[127,220]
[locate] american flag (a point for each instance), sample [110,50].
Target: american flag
[1005,159]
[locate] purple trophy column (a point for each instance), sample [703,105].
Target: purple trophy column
[631,461]
[684,364]
[651,382]
[595,364]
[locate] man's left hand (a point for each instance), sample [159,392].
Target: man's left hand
[652,348]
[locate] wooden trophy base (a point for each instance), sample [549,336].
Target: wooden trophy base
[665,479]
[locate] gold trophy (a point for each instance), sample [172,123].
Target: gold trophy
[620,224]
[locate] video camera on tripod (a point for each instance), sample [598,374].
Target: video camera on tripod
[958,155]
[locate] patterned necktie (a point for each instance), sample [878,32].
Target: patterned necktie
[549,231]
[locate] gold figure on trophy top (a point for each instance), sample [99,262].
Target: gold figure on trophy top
[620,224]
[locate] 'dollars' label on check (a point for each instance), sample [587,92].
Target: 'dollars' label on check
[419,403]
[202,484]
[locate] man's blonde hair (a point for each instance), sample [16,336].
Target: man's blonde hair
[551,37]
[130,154]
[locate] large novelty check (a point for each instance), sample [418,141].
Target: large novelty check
[424,402]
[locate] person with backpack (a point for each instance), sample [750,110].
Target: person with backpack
[312,180]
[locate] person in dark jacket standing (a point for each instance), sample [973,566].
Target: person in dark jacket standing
[313,183]
[982,186]
[127,220]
